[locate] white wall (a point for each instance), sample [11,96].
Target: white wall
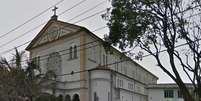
[158,95]
[94,58]
[70,82]
[100,83]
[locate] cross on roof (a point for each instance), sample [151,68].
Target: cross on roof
[55,10]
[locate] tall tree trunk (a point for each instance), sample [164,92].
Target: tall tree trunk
[185,91]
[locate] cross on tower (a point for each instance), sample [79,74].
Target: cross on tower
[55,10]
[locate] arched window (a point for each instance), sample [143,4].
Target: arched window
[71,52]
[67,98]
[60,97]
[76,97]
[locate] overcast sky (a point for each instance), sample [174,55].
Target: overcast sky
[16,12]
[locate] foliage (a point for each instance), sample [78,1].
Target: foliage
[160,27]
[49,97]
[20,81]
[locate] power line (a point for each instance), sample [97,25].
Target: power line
[77,4]
[113,63]
[90,16]
[45,22]
[42,56]
[12,30]
[104,66]
[70,19]
[72,7]
[104,26]
[15,47]
[90,9]
[100,28]
[21,35]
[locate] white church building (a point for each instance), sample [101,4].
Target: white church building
[79,59]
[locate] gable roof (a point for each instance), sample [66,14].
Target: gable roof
[45,28]
[80,28]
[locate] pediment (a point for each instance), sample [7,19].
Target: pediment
[53,31]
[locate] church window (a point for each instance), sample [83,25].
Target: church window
[75,51]
[72,52]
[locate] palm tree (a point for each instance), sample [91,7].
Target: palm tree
[21,81]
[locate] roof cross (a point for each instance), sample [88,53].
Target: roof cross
[55,10]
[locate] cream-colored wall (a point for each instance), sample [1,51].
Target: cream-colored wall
[138,76]
[158,95]
[67,65]
[94,58]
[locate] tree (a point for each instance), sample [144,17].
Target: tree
[170,27]
[21,80]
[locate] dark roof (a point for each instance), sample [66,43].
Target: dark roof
[167,86]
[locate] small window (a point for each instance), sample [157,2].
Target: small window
[168,93]
[73,52]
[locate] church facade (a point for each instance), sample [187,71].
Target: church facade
[83,67]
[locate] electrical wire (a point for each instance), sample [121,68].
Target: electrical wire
[29,20]
[45,22]
[100,28]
